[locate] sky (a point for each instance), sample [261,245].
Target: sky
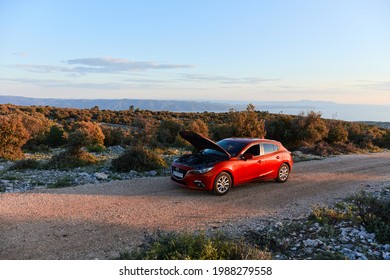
[258,50]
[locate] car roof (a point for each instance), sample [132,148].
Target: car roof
[252,140]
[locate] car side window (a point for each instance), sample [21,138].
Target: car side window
[254,150]
[269,148]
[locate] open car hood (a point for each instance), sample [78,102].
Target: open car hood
[200,143]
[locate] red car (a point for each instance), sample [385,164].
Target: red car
[219,166]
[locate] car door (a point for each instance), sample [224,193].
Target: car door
[249,168]
[270,159]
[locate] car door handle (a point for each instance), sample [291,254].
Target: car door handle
[278,157]
[259,161]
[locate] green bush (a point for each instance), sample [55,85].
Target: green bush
[66,160]
[25,164]
[114,136]
[139,159]
[56,136]
[96,149]
[375,215]
[329,216]
[185,246]
[85,134]
[62,183]
[168,132]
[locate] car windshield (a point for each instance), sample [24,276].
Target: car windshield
[231,146]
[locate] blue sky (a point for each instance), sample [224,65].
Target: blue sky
[197,50]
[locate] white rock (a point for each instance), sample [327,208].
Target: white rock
[310,243]
[133,173]
[100,176]
[386,255]
[151,173]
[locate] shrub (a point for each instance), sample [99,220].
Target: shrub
[309,129]
[144,131]
[113,136]
[62,183]
[280,129]
[13,136]
[96,149]
[337,132]
[326,149]
[66,160]
[168,132]
[223,131]
[247,123]
[85,134]
[329,216]
[200,127]
[25,164]
[139,159]
[56,136]
[375,215]
[185,246]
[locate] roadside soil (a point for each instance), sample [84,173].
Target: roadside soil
[100,221]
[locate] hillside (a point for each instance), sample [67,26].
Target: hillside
[331,110]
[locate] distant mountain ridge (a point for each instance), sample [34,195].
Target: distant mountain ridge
[348,112]
[118,104]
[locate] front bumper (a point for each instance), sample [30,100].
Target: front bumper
[195,181]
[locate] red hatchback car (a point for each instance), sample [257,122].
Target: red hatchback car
[219,166]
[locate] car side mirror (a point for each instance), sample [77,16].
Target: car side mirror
[248,156]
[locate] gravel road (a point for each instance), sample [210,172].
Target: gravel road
[99,221]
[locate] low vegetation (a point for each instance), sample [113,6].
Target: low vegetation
[81,133]
[186,246]
[321,236]
[138,158]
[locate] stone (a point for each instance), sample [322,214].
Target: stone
[310,243]
[278,225]
[386,255]
[133,173]
[361,256]
[100,176]
[151,173]
[386,247]
[348,253]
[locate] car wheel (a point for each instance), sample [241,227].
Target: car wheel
[283,172]
[222,183]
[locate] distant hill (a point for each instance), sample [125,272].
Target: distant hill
[348,112]
[119,104]
[380,124]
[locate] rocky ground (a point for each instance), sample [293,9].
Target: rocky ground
[104,215]
[29,179]
[303,238]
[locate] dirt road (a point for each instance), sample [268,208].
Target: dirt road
[99,221]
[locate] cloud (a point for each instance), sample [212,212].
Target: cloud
[43,68]
[57,83]
[21,54]
[111,65]
[223,79]
[65,84]
[373,85]
[102,65]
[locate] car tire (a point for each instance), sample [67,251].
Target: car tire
[283,173]
[222,183]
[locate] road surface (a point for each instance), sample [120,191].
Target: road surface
[99,221]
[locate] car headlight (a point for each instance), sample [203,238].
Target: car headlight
[202,170]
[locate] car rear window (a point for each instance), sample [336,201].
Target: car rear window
[269,148]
